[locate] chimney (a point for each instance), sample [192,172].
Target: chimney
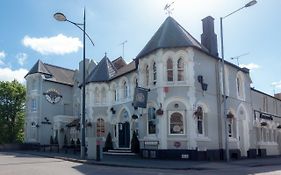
[278,96]
[208,37]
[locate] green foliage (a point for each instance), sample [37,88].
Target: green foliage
[135,143]
[12,104]
[108,143]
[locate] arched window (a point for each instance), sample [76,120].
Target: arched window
[154,73]
[103,95]
[170,73]
[100,127]
[180,67]
[176,123]
[125,89]
[151,121]
[147,75]
[231,125]
[238,81]
[200,120]
[240,86]
[114,93]
[97,95]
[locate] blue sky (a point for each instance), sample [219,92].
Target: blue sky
[29,32]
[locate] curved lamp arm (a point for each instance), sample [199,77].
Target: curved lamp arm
[78,25]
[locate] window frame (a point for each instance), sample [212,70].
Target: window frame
[33,105]
[180,68]
[100,130]
[154,71]
[183,123]
[202,120]
[146,75]
[170,69]
[153,119]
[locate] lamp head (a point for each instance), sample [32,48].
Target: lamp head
[60,16]
[251,3]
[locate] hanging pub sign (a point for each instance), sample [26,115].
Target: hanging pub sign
[140,97]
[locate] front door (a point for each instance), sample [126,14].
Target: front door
[124,135]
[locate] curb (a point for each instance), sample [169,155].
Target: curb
[89,162]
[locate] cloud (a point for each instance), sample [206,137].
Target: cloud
[59,44]
[277,84]
[2,56]
[7,74]
[21,57]
[250,66]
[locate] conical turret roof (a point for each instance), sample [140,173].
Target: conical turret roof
[103,72]
[170,35]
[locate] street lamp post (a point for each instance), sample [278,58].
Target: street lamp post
[251,3]
[61,17]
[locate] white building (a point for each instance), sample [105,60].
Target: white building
[183,117]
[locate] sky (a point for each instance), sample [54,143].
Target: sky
[29,32]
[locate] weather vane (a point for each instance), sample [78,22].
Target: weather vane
[168,8]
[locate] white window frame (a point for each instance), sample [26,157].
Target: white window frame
[148,120]
[180,69]
[154,70]
[125,90]
[240,86]
[183,120]
[146,75]
[170,69]
[202,121]
[33,105]
[100,126]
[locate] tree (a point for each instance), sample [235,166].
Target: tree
[135,143]
[12,105]
[108,143]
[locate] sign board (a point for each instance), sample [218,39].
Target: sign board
[140,97]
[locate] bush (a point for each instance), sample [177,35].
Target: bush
[135,143]
[108,143]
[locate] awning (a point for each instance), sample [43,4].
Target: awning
[74,123]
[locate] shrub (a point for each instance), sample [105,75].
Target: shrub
[108,143]
[135,144]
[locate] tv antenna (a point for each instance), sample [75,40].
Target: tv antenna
[237,57]
[168,8]
[123,45]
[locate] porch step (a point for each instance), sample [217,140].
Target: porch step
[121,152]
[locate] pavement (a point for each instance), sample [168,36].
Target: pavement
[137,162]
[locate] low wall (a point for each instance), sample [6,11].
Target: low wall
[10,147]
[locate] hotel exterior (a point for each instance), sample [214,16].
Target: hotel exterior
[183,118]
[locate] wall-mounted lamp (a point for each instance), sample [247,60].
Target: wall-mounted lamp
[112,110]
[204,86]
[134,116]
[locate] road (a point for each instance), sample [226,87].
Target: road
[24,164]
